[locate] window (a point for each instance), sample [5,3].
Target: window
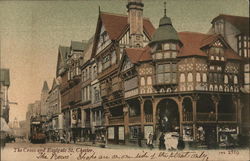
[215,78]
[166,46]
[190,77]
[235,79]
[166,73]
[173,46]
[182,78]
[142,81]
[210,78]
[149,80]
[174,54]
[167,55]
[204,77]
[158,55]
[198,77]
[226,79]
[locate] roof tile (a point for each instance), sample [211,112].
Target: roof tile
[115,24]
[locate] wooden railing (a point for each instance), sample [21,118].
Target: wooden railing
[187,116]
[212,117]
[206,117]
[226,116]
[148,118]
[116,120]
[134,119]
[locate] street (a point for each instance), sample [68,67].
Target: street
[24,151]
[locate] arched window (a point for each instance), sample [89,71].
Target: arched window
[182,77]
[204,77]
[211,88]
[235,79]
[198,77]
[149,81]
[226,79]
[190,77]
[142,81]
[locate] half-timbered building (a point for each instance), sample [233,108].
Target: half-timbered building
[115,32]
[182,82]
[235,30]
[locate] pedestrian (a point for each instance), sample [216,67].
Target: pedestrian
[162,142]
[150,140]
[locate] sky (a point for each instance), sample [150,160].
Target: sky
[31,31]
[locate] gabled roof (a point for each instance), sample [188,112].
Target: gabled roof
[77,45]
[54,84]
[88,50]
[115,24]
[136,55]
[5,77]
[241,23]
[64,51]
[45,86]
[193,43]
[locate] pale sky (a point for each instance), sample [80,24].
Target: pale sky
[31,31]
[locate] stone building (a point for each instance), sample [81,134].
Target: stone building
[54,115]
[4,86]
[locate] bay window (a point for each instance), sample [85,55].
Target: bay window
[166,73]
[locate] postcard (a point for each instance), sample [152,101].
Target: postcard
[124,80]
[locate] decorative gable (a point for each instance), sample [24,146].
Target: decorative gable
[103,39]
[126,64]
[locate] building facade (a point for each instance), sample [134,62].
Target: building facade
[4,86]
[54,115]
[235,30]
[131,80]
[68,69]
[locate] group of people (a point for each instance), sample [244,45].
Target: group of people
[167,141]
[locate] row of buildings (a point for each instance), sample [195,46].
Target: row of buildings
[4,99]
[132,79]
